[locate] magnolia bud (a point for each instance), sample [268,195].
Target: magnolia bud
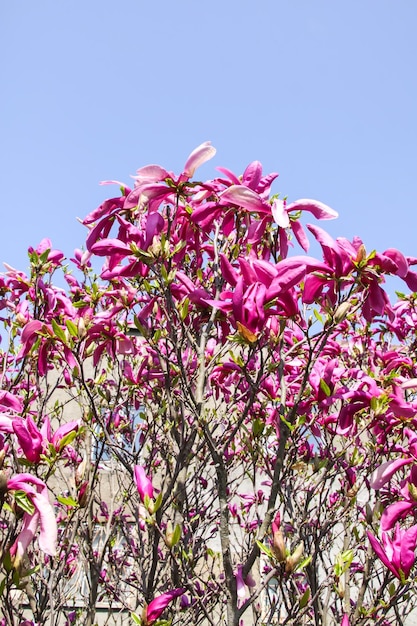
[341,312]
[81,328]
[361,255]
[278,546]
[3,482]
[83,495]
[169,535]
[21,319]
[293,560]
[79,472]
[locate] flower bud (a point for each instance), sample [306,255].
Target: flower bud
[83,495]
[293,560]
[278,543]
[278,546]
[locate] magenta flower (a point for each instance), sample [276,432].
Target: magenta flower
[397,553]
[159,604]
[42,517]
[29,437]
[142,482]
[10,402]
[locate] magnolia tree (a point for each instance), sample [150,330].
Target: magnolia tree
[215,429]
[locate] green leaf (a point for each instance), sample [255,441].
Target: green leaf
[59,332]
[391,589]
[44,256]
[263,548]
[288,424]
[80,304]
[317,315]
[23,501]
[136,618]
[258,427]
[67,501]
[343,562]
[16,577]
[7,562]
[158,502]
[325,388]
[32,570]
[184,306]
[67,439]
[72,328]
[303,563]
[176,535]
[164,273]
[304,598]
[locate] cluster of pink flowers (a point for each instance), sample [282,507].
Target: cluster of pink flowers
[281,383]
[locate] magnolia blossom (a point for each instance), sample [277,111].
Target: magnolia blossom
[155,608]
[396,553]
[43,517]
[142,482]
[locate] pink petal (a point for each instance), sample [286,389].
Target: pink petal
[200,155]
[243,197]
[252,175]
[24,538]
[156,607]
[386,471]
[318,209]
[151,174]
[64,430]
[29,437]
[300,235]
[142,482]
[399,259]
[48,526]
[394,512]
[408,546]
[411,280]
[230,175]
[279,213]
[6,424]
[379,551]
[110,246]
[411,383]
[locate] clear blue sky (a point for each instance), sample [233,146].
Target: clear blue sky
[324,92]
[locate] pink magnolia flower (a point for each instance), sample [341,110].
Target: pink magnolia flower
[8,402]
[42,517]
[142,482]
[397,553]
[54,256]
[242,584]
[151,186]
[29,437]
[278,543]
[34,441]
[159,604]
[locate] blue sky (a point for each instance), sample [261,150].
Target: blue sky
[324,92]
